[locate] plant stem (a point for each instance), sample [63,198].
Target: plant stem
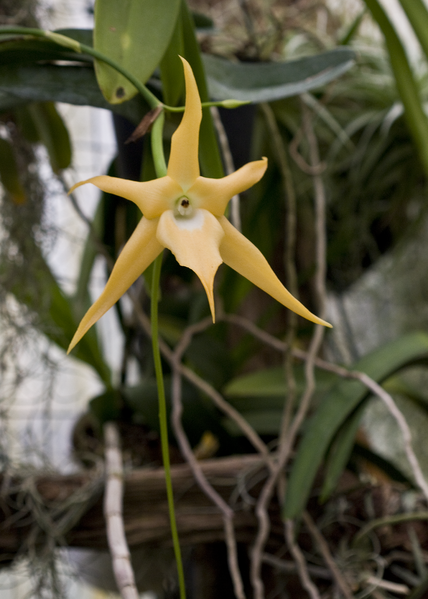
[77,47]
[163,422]
[161,170]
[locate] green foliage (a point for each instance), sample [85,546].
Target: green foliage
[404,78]
[9,173]
[127,32]
[266,82]
[365,119]
[332,415]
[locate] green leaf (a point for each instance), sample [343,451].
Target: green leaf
[209,154]
[52,133]
[81,299]
[265,82]
[60,324]
[417,13]
[260,396]
[264,422]
[271,382]
[9,173]
[340,450]
[134,33]
[171,68]
[202,22]
[406,84]
[345,397]
[21,84]
[26,124]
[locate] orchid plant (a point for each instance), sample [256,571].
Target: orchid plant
[187,213]
[184,212]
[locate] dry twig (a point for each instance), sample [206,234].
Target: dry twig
[300,561]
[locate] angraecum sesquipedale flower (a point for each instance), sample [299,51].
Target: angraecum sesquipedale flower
[184,212]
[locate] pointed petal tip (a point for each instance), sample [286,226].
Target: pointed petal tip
[76,185]
[320,321]
[73,343]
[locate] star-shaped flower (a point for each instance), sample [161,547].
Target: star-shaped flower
[184,212]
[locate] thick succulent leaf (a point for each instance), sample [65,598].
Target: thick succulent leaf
[60,323]
[171,68]
[9,173]
[264,421]
[336,407]
[135,34]
[340,451]
[26,124]
[21,84]
[265,82]
[81,299]
[260,396]
[52,133]
[271,382]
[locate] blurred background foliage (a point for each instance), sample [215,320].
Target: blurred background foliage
[286,57]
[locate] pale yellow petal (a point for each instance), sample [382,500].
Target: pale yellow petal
[183,165]
[194,242]
[241,255]
[214,194]
[151,197]
[138,253]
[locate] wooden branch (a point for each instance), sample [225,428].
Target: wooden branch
[145,512]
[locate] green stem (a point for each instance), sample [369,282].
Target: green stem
[163,423]
[157,146]
[80,48]
[161,170]
[77,47]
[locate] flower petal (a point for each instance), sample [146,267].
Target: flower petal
[194,242]
[138,253]
[215,194]
[151,197]
[183,165]
[241,255]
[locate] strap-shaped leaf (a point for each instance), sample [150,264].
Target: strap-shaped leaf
[271,382]
[59,323]
[265,82]
[417,13]
[21,84]
[405,80]
[9,173]
[134,33]
[52,133]
[336,408]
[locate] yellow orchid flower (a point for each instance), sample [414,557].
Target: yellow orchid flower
[184,212]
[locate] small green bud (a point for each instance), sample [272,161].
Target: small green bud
[234,103]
